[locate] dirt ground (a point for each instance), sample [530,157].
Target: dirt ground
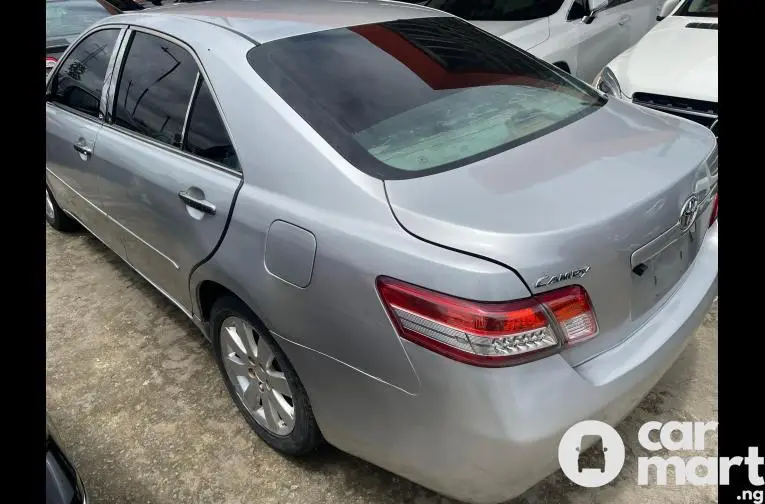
[138,402]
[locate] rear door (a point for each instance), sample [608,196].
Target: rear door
[74,112]
[170,171]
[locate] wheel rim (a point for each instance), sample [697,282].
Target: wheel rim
[257,378]
[50,211]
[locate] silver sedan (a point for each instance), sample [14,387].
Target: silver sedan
[402,235]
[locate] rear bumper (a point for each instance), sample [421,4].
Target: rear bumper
[487,435]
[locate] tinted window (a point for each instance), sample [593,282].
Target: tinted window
[498,10]
[206,135]
[80,78]
[65,19]
[700,8]
[155,88]
[410,97]
[577,11]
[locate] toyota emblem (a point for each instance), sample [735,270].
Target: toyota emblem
[688,213]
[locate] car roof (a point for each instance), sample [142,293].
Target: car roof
[266,20]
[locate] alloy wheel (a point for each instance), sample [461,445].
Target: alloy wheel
[50,211]
[257,377]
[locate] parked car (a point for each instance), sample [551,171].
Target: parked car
[674,67]
[66,19]
[63,484]
[400,233]
[579,36]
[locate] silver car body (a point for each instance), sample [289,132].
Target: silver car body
[301,236]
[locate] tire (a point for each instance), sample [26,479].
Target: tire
[56,217]
[255,375]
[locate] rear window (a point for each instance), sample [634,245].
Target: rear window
[408,98]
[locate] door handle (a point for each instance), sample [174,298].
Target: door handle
[200,204]
[624,19]
[83,149]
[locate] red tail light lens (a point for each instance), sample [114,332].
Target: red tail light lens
[489,334]
[571,308]
[50,62]
[713,218]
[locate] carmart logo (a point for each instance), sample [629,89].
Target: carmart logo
[571,453]
[602,465]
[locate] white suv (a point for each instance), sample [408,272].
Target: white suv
[579,36]
[674,67]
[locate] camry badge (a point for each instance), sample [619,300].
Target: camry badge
[562,277]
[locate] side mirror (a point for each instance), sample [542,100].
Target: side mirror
[666,9]
[596,6]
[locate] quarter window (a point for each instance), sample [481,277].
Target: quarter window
[80,78]
[154,89]
[206,134]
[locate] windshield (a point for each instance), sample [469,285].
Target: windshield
[498,10]
[68,18]
[700,8]
[410,97]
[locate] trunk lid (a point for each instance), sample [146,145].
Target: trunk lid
[600,193]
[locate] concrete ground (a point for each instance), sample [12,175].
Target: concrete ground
[136,398]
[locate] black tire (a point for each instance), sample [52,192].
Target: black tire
[305,436]
[59,220]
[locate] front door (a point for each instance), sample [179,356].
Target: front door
[170,171]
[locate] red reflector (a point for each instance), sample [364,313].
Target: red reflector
[488,334]
[713,218]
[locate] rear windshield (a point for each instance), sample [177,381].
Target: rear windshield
[408,98]
[65,19]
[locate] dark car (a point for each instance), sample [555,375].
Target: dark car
[66,19]
[595,458]
[62,483]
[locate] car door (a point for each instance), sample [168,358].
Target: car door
[642,14]
[74,113]
[170,171]
[606,36]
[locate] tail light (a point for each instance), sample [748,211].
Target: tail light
[489,334]
[50,62]
[713,218]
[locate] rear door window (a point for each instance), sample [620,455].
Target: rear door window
[79,81]
[206,135]
[154,88]
[411,97]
